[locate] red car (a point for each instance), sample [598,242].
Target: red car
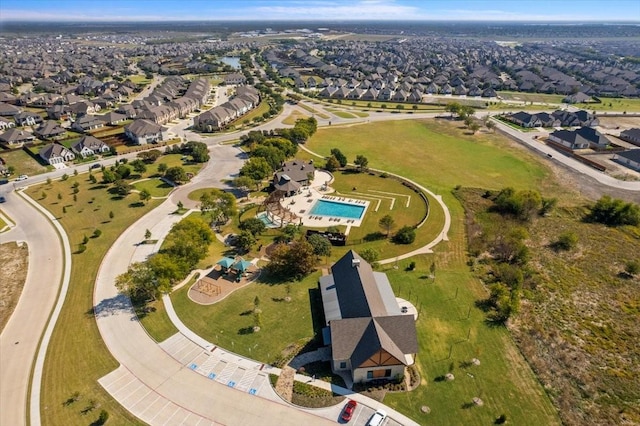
[348,410]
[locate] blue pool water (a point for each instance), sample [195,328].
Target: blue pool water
[336,209]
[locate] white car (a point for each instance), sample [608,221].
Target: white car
[22,177]
[378,418]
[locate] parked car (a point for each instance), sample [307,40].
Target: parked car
[2,199]
[348,410]
[377,418]
[4,181]
[22,177]
[96,166]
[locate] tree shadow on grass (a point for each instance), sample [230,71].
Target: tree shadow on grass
[467,405]
[137,204]
[112,306]
[245,330]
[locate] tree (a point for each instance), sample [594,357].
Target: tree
[369,255]
[111,215]
[245,241]
[362,162]
[432,270]
[218,205]
[147,234]
[257,168]
[122,188]
[342,159]
[387,223]
[243,183]
[176,174]
[108,176]
[271,154]
[145,195]
[93,179]
[332,164]
[474,127]
[321,245]
[149,157]
[253,225]
[292,261]
[453,108]
[405,235]
[123,171]
[139,282]
[490,124]
[162,168]
[139,166]
[468,121]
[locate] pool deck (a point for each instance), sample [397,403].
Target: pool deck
[302,203]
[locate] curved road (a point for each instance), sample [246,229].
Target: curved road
[21,336]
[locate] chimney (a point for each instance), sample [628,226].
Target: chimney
[355,263]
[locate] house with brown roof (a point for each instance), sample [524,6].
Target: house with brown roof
[50,130]
[16,137]
[369,335]
[293,176]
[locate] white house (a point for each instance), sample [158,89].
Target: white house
[88,146]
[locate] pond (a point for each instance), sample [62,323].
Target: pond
[232,61]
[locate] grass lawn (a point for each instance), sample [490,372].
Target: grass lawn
[437,154]
[155,321]
[13,274]
[531,97]
[256,112]
[76,356]
[314,111]
[139,79]
[340,113]
[228,323]
[612,104]
[156,187]
[3,224]
[23,163]
[387,105]
[295,115]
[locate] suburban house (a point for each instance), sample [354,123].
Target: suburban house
[86,123]
[50,130]
[631,136]
[142,132]
[16,137]
[369,336]
[6,124]
[112,118]
[27,118]
[8,110]
[584,137]
[629,158]
[293,176]
[56,154]
[88,146]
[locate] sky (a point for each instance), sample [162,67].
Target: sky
[327,10]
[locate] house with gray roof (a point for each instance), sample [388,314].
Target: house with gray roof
[630,158]
[143,132]
[16,137]
[369,335]
[50,130]
[89,146]
[56,154]
[631,136]
[293,176]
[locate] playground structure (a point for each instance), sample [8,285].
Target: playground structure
[207,286]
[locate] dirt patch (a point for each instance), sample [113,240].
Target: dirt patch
[13,274]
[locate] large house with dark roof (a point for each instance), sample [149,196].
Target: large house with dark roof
[369,336]
[294,175]
[143,132]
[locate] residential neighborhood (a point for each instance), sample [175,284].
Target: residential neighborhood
[369,213]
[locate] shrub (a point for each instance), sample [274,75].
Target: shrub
[412,266]
[97,233]
[82,248]
[566,241]
[406,235]
[632,267]
[614,212]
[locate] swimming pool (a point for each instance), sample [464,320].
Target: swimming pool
[337,209]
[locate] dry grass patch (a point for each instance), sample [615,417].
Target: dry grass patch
[13,274]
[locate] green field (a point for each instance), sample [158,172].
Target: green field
[531,97]
[156,187]
[76,341]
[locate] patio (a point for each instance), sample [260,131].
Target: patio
[221,281]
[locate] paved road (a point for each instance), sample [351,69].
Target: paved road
[19,340]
